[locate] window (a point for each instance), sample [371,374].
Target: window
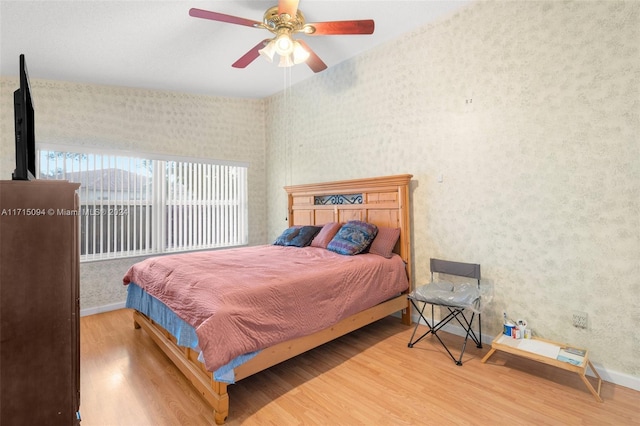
[132,206]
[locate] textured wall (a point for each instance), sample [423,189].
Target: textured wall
[138,120]
[530,112]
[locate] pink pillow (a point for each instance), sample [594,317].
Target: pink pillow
[385,241]
[326,234]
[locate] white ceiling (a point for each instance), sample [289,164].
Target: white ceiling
[157,45]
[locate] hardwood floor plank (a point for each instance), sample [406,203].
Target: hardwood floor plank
[368,377]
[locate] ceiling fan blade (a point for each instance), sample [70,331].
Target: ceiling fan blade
[314,61]
[290,7]
[250,56]
[221,17]
[365,26]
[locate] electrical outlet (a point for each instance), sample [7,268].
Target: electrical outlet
[580,319]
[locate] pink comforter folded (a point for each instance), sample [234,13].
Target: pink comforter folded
[245,299]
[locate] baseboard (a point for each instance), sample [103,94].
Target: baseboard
[101,309]
[617,378]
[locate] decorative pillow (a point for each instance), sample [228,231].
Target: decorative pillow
[385,241]
[285,238]
[326,234]
[353,237]
[305,236]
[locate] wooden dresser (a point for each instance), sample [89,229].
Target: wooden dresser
[39,303]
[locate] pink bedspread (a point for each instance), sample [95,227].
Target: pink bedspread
[245,299]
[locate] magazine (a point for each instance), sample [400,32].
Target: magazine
[571,355]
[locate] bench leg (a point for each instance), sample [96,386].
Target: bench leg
[488,355]
[596,393]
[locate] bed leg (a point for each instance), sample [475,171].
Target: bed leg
[219,417]
[135,323]
[221,409]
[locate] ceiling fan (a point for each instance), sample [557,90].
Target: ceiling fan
[283,21]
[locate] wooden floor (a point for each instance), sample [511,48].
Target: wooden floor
[369,377]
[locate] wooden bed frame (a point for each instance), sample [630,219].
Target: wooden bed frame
[383,201]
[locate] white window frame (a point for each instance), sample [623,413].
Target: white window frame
[191,203]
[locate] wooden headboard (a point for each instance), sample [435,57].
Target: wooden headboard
[383,201]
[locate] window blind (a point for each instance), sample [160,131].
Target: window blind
[133,206]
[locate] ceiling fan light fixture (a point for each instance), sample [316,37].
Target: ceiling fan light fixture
[299,54]
[268,51]
[283,44]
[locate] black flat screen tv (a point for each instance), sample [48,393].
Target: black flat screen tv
[24,124]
